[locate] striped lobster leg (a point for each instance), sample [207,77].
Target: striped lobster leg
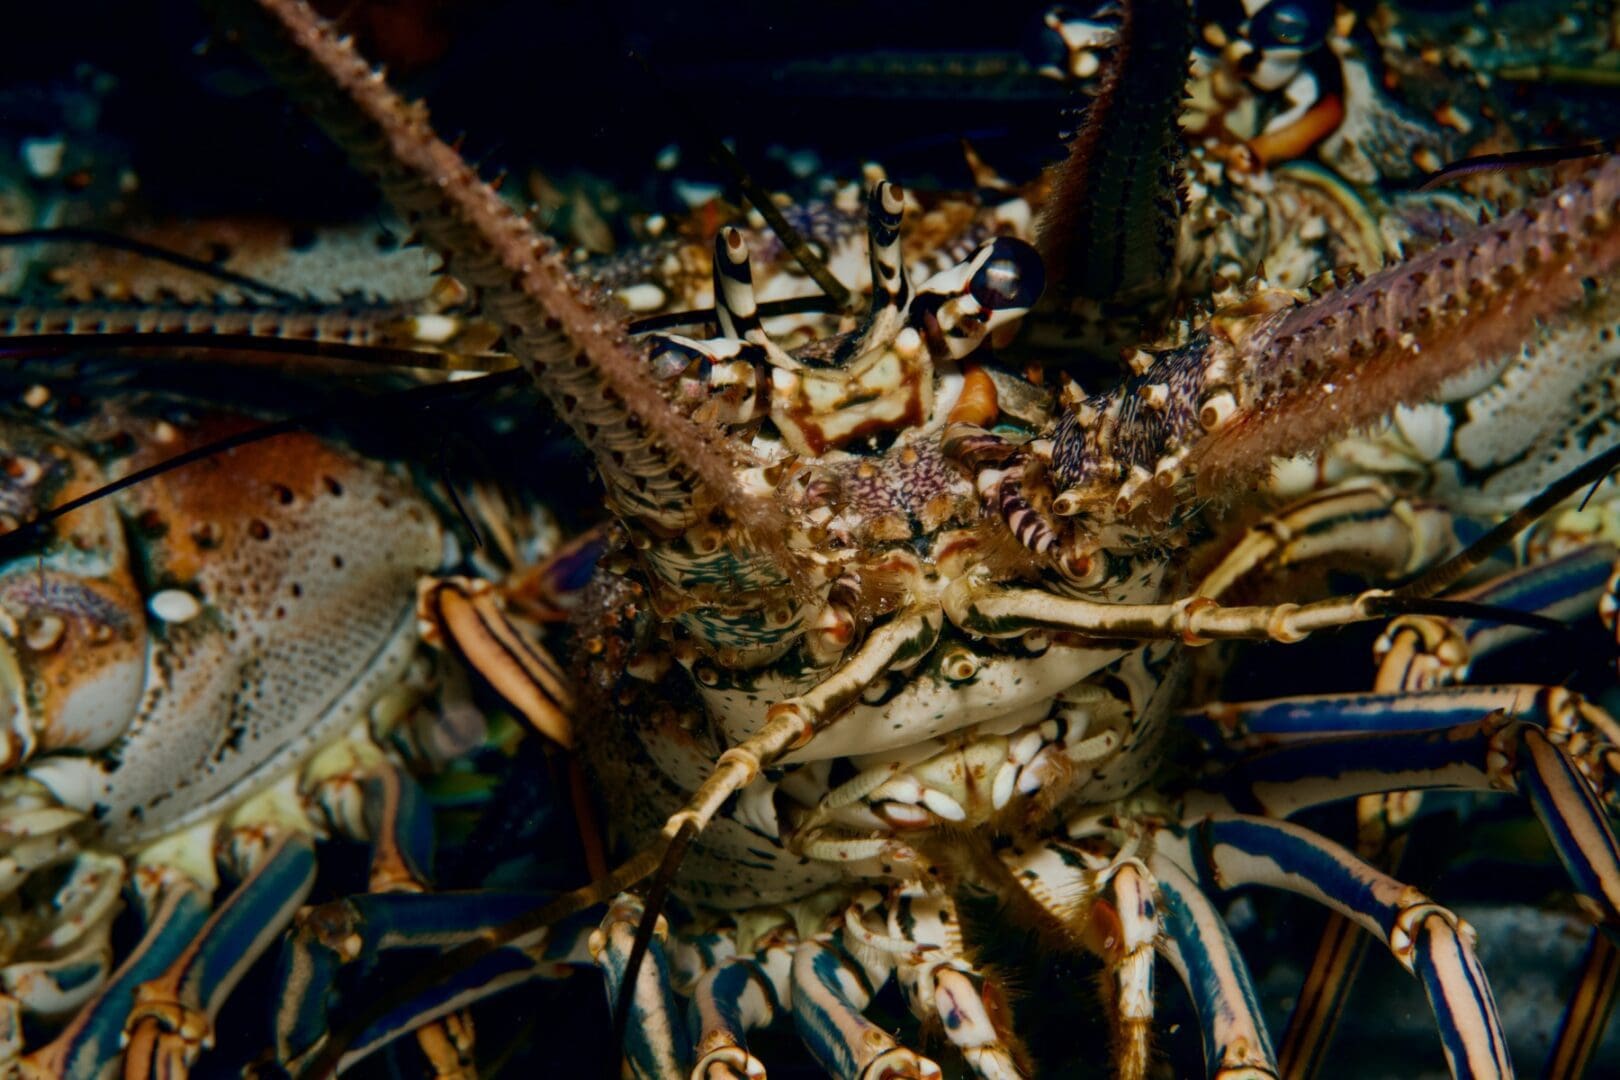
[91,1043]
[1493,754]
[363,796]
[1418,652]
[831,987]
[357,930]
[173,1014]
[656,1046]
[737,995]
[1231,851]
[367,798]
[922,938]
[1199,946]
[1581,1027]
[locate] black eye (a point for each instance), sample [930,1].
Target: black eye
[1011,278]
[1291,26]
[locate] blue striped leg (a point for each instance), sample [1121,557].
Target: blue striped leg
[921,936]
[375,801]
[1494,754]
[1232,851]
[360,929]
[1199,946]
[737,995]
[1415,653]
[656,1046]
[830,988]
[501,970]
[90,1044]
[1587,1013]
[173,1015]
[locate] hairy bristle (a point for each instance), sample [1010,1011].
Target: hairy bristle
[549,314]
[1343,361]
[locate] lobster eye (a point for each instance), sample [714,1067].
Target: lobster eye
[671,358]
[1301,25]
[1011,278]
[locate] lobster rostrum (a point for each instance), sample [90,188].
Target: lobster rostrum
[886,624]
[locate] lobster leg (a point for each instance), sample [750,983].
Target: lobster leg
[1416,653]
[737,995]
[1485,755]
[92,1041]
[377,801]
[356,930]
[734,997]
[1427,939]
[174,1013]
[1199,946]
[1581,1027]
[923,940]
[1247,728]
[830,988]
[467,616]
[1123,928]
[655,1043]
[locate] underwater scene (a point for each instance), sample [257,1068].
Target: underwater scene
[875,541]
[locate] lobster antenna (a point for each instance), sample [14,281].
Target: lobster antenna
[18,542]
[657,462]
[1453,569]
[1508,162]
[761,200]
[380,355]
[69,234]
[657,895]
[1465,609]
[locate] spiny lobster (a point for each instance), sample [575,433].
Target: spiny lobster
[873,645]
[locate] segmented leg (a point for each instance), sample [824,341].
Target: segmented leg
[923,939]
[355,931]
[1416,653]
[830,990]
[467,616]
[1494,754]
[1368,522]
[656,1046]
[92,1041]
[173,1015]
[1427,939]
[1199,946]
[1123,928]
[1581,1027]
[375,801]
[738,995]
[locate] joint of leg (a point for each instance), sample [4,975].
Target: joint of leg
[740,758]
[1279,627]
[898,1063]
[334,926]
[783,714]
[728,1063]
[1502,739]
[1189,615]
[155,1004]
[1415,910]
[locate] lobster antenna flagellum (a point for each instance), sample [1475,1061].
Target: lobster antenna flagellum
[659,466]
